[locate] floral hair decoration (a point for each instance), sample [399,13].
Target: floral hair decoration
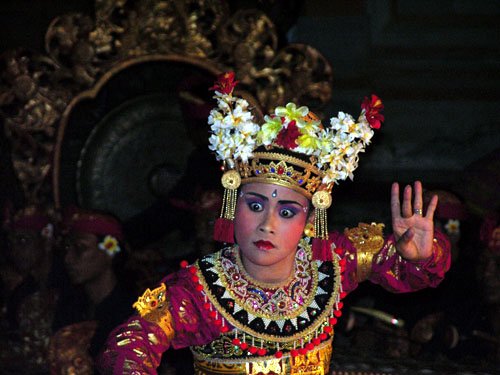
[291,148]
[87,221]
[452,226]
[110,245]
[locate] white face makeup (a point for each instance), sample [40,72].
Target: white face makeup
[269,223]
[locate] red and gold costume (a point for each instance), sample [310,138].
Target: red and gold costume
[237,325]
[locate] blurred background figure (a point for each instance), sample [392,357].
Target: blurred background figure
[453,219]
[487,325]
[100,296]
[402,326]
[467,330]
[450,213]
[28,292]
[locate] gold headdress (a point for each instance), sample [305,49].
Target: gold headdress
[291,149]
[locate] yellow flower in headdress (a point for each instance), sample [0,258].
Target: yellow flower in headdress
[308,143]
[291,112]
[270,129]
[110,245]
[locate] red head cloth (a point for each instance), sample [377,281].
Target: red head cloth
[450,210]
[449,206]
[78,220]
[489,230]
[29,218]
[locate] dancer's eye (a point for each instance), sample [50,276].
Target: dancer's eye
[287,213]
[255,206]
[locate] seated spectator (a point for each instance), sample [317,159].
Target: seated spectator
[450,213]
[94,255]
[467,330]
[28,295]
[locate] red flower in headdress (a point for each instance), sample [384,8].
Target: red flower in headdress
[225,83]
[372,110]
[287,136]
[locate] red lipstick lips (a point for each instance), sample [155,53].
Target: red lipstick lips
[264,245]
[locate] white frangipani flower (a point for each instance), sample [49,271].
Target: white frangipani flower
[235,135]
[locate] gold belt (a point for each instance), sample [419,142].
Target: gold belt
[315,362]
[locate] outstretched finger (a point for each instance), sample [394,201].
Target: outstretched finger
[432,207]
[418,203]
[395,204]
[406,209]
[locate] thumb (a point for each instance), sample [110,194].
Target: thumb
[406,237]
[403,244]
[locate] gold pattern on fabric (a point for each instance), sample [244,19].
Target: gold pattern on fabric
[438,251]
[315,362]
[222,347]
[155,308]
[211,368]
[368,240]
[265,367]
[183,313]
[164,320]
[131,335]
[309,364]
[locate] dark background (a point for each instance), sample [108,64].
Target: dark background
[433,63]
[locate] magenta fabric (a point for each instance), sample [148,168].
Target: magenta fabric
[192,323]
[413,276]
[133,358]
[187,310]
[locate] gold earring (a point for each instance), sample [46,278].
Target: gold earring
[309,230]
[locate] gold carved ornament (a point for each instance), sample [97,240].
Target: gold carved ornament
[368,240]
[80,51]
[154,307]
[305,178]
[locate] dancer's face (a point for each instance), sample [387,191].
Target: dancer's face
[269,222]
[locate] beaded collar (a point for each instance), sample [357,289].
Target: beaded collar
[278,313]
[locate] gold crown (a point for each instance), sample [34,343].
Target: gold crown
[283,170]
[150,300]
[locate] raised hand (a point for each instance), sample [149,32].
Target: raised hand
[413,232]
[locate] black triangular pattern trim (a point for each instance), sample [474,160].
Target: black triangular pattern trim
[257,324]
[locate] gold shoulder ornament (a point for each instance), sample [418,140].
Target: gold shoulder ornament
[368,239]
[154,307]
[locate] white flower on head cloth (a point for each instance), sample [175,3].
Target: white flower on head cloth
[291,148]
[110,245]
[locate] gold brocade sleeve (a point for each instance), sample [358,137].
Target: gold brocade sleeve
[438,252]
[154,307]
[368,239]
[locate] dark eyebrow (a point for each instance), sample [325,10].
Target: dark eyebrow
[263,197]
[290,202]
